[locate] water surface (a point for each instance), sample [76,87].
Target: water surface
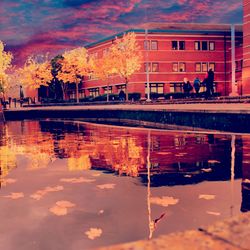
[68,185]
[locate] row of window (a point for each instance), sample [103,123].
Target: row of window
[175,87]
[181,45]
[180,66]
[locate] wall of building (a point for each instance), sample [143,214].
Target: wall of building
[246,42]
[165,58]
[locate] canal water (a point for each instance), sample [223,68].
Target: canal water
[76,185]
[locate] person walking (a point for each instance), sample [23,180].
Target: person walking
[197,85]
[21,96]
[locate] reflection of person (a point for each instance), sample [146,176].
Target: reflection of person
[21,95]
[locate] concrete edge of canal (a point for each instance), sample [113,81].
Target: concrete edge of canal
[235,121]
[230,234]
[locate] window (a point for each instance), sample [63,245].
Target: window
[105,90]
[204,45]
[152,67]
[94,92]
[155,67]
[176,87]
[204,67]
[121,87]
[211,45]
[155,88]
[212,66]
[182,67]
[174,45]
[239,65]
[178,45]
[146,45]
[197,67]
[147,65]
[154,45]
[175,67]
[179,67]
[81,93]
[197,45]
[182,45]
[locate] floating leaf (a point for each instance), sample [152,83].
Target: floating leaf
[59,211]
[77,180]
[4,182]
[164,201]
[207,170]
[15,196]
[207,196]
[213,213]
[66,204]
[245,181]
[93,233]
[40,193]
[106,186]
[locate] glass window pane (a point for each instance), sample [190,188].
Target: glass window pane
[155,67]
[197,67]
[182,67]
[204,67]
[146,45]
[175,67]
[211,46]
[182,45]
[204,45]
[174,45]
[154,45]
[197,45]
[212,66]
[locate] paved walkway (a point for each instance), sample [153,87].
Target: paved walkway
[199,107]
[232,234]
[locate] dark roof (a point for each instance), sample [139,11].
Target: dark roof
[179,28]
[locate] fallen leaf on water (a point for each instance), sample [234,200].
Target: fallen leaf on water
[106,186]
[61,207]
[101,212]
[7,181]
[164,201]
[40,193]
[93,233]
[213,213]
[207,196]
[77,180]
[96,175]
[59,211]
[66,204]
[187,176]
[14,196]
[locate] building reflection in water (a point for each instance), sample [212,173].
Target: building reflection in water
[176,158]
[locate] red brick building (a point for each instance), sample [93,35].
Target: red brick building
[176,51]
[246,39]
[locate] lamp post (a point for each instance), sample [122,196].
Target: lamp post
[233,85]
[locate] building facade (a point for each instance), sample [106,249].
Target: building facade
[175,52]
[246,39]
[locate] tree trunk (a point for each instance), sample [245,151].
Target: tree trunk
[126,81]
[77,93]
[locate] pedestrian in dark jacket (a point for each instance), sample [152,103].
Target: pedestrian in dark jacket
[197,85]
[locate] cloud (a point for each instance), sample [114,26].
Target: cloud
[55,25]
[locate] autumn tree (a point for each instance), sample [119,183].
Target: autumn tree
[35,74]
[75,65]
[5,64]
[126,57]
[103,68]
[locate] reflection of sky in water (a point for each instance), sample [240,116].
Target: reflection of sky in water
[60,185]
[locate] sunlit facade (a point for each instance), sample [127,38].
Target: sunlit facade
[174,52]
[246,53]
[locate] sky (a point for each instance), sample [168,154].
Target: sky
[31,27]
